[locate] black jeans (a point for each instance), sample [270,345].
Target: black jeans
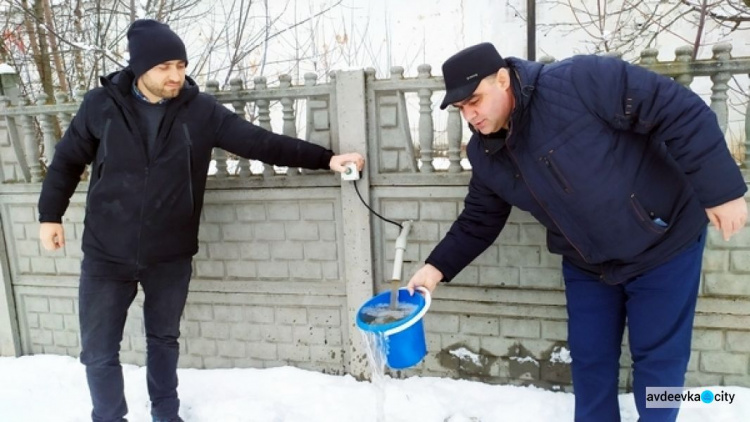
[105,293]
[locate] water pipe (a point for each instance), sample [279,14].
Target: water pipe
[398,259]
[398,262]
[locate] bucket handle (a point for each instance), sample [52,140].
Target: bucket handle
[415,318]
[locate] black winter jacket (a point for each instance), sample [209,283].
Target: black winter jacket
[143,209]
[601,152]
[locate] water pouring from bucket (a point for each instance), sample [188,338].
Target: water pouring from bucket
[395,316]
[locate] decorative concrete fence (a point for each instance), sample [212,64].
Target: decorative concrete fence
[288,256]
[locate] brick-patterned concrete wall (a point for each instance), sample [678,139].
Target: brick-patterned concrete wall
[267,289]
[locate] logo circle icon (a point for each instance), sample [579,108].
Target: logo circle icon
[707,396]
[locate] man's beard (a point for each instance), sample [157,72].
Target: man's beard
[161,91]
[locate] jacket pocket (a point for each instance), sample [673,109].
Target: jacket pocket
[648,220]
[98,166]
[554,170]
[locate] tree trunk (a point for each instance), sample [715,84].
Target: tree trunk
[39,47]
[54,49]
[132,11]
[80,68]
[28,23]
[699,30]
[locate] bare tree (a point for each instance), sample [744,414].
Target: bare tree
[239,37]
[65,45]
[629,26]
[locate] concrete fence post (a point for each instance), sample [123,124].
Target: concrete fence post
[10,343]
[358,266]
[10,340]
[13,163]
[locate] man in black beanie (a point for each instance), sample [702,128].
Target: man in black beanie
[148,134]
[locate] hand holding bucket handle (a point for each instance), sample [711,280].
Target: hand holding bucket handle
[428,277]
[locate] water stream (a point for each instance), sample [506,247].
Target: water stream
[376,345]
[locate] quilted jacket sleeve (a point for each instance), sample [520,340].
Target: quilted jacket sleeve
[483,217]
[630,97]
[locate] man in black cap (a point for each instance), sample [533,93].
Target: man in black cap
[624,168]
[148,134]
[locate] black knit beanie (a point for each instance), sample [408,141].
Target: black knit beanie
[150,43]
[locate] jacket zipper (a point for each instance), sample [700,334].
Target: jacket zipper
[141,222]
[189,143]
[143,210]
[555,171]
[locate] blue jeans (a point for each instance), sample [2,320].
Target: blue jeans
[658,307]
[105,293]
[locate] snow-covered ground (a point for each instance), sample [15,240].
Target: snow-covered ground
[53,388]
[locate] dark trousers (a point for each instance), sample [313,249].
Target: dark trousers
[105,292]
[658,307]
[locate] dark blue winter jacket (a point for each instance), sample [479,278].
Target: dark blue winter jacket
[617,162]
[145,208]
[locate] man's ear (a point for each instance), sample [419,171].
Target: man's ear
[502,77]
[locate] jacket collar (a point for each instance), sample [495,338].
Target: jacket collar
[139,95]
[524,75]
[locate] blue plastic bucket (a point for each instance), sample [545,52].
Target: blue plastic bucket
[405,340]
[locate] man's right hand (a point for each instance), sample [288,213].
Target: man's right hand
[427,277]
[52,236]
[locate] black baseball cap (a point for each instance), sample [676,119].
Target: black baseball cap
[464,71]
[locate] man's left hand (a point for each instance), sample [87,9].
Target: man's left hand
[338,162]
[730,217]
